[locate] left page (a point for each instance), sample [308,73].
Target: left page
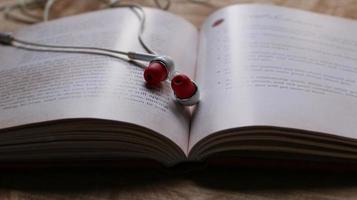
[45,86]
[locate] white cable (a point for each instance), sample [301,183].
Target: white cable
[47,9]
[139,11]
[9,40]
[9,15]
[46,5]
[26,11]
[163,7]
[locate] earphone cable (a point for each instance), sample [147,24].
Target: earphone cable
[25,10]
[9,15]
[7,39]
[137,10]
[36,46]
[140,13]
[47,9]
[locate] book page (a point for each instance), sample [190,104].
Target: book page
[274,66]
[43,86]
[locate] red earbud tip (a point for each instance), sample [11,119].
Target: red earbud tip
[183,86]
[155,73]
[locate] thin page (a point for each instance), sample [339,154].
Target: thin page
[274,66]
[44,86]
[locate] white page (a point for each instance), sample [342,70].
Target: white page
[42,86]
[274,66]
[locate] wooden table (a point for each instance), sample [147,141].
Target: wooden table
[210,183]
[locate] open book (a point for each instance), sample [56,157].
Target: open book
[275,83]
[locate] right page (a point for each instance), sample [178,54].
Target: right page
[271,66]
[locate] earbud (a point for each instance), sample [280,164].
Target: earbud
[182,86]
[159,69]
[155,73]
[185,90]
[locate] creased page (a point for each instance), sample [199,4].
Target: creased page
[42,86]
[274,66]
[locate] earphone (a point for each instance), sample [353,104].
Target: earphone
[162,68]
[159,69]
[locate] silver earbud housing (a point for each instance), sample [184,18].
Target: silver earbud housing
[189,101]
[168,63]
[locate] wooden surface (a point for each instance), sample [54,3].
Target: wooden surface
[234,183]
